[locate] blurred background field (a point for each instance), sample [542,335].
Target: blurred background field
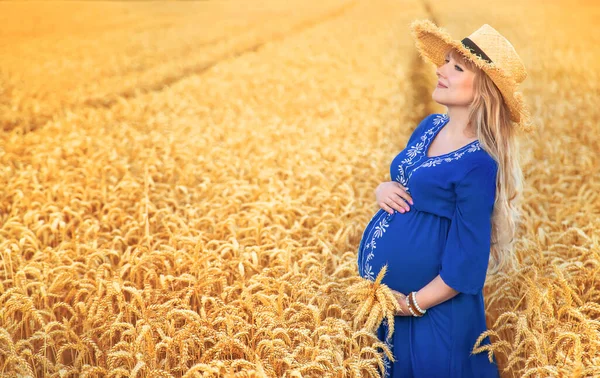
[183,185]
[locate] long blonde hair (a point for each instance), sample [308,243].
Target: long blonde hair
[490,119]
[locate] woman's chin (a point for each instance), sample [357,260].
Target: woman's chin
[435,96]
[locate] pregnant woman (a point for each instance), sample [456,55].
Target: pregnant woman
[449,213]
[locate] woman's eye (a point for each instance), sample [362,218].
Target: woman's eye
[460,69]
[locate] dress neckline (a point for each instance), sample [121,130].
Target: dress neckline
[436,132]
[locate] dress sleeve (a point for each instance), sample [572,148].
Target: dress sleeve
[466,253]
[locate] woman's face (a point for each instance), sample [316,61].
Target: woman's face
[458,81]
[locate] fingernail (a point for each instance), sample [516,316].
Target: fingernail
[411,202]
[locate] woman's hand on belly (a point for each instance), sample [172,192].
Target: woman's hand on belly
[402,302]
[392,195]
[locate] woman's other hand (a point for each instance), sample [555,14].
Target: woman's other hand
[392,195]
[401,298]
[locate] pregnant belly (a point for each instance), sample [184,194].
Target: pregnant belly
[411,244]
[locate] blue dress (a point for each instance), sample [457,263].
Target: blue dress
[447,232]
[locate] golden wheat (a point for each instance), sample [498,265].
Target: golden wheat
[184,185]
[377,301]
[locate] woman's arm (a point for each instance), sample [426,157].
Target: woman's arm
[435,292]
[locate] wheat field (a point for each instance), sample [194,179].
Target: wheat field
[184,185]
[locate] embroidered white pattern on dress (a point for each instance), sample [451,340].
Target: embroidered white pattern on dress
[418,152]
[376,232]
[432,162]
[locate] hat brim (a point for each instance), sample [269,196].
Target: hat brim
[432,42]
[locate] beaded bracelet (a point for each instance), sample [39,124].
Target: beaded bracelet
[413,309]
[408,305]
[413,301]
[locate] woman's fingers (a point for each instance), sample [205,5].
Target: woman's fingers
[385,207]
[400,201]
[401,301]
[395,202]
[395,205]
[403,193]
[397,199]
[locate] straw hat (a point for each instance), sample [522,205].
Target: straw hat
[490,51]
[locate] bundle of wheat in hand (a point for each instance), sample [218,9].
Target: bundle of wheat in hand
[377,301]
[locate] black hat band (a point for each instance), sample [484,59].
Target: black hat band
[471,46]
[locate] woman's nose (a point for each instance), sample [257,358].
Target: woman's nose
[438,71]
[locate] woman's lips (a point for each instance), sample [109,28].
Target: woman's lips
[440,85]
